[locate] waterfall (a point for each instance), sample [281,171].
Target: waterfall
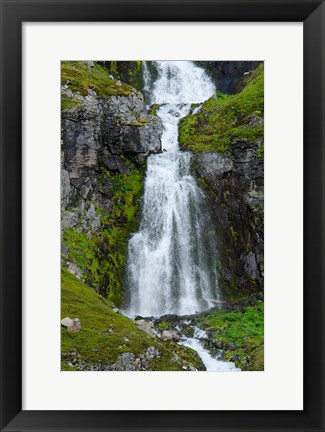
[172,258]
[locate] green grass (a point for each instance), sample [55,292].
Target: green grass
[245,328]
[105,335]
[69,102]
[225,118]
[80,77]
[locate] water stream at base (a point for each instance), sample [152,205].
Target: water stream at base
[172,258]
[212,364]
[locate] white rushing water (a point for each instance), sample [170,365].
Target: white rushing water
[171,259]
[212,364]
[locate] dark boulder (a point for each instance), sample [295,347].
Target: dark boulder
[230,346]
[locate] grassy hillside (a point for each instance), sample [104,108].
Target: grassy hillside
[105,334]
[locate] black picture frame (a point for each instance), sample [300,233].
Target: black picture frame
[13,14]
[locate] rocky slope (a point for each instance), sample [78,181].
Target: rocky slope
[106,137]
[225,135]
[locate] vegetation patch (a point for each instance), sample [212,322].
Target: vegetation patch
[129,72]
[69,102]
[245,329]
[260,151]
[226,118]
[79,77]
[105,334]
[153,109]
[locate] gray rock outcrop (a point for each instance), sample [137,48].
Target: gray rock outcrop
[114,134]
[236,185]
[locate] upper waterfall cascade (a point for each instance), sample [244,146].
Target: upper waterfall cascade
[172,258]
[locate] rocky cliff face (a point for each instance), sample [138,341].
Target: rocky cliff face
[235,184]
[226,137]
[104,145]
[227,75]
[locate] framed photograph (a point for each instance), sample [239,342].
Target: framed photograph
[162,233]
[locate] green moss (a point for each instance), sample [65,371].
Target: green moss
[163,324]
[260,151]
[245,328]
[256,359]
[140,122]
[101,255]
[153,109]
[69,102]
[234,234]
[80,77]
[226,118]
[105,335]
[129,72]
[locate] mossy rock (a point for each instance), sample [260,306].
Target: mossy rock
[257,359]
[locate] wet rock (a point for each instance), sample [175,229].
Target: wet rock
[230,346]
[170,318]
[218,345]
[234,358]
[171,335]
